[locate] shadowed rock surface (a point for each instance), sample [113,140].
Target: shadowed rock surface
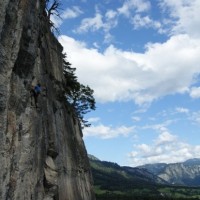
[42,154]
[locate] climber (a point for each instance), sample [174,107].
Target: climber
[35,92]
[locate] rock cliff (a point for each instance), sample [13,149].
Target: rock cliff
[42,154]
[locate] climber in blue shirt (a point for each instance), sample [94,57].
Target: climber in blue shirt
[35,91]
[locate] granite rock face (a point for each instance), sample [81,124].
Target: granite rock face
[42,154]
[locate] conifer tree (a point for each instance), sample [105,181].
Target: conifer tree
[53,8]
[78,95]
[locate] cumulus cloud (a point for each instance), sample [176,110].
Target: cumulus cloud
[137,5]
[195,117]
[177,20]
[110,18]
[99,22]
[185,16]
[167,148]
[163,69]
[107,132]
[160,127]
[165,138]
[111,14]
[71,12]
[195,92]
[139,15]
[139,21]
[93,24]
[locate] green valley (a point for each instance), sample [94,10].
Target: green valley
[113,182]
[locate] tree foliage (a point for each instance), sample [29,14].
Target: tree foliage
[78,95]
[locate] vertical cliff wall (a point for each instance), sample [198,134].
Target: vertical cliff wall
[42,154]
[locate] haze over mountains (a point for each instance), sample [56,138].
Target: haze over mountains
[185,173]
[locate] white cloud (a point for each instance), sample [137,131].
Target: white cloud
[145,21]
[185,16]
[195,92]
[111,14]
[108,37]
[99,22]
[165,138]
[107,132]
[71,13]
[144,148]
[111,20]
[92,24]
[96,45]
[167,148]
[178,20]
[93,119]
[137,5]
[195,117]
[164,69]
[160,128]
[182,110]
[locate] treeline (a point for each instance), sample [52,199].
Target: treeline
[113,182]
[110,196]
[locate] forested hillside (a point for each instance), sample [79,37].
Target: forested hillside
[125,183]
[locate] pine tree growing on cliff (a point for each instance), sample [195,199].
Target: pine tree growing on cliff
[53,8]
[78,95]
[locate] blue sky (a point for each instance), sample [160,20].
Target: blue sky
[142,58]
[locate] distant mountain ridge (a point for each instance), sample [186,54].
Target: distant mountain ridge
[91,157]
[185,173]
[112,181]
[112,171]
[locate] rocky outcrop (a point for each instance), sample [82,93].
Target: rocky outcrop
[186,173]
[42,154]
[182,174]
